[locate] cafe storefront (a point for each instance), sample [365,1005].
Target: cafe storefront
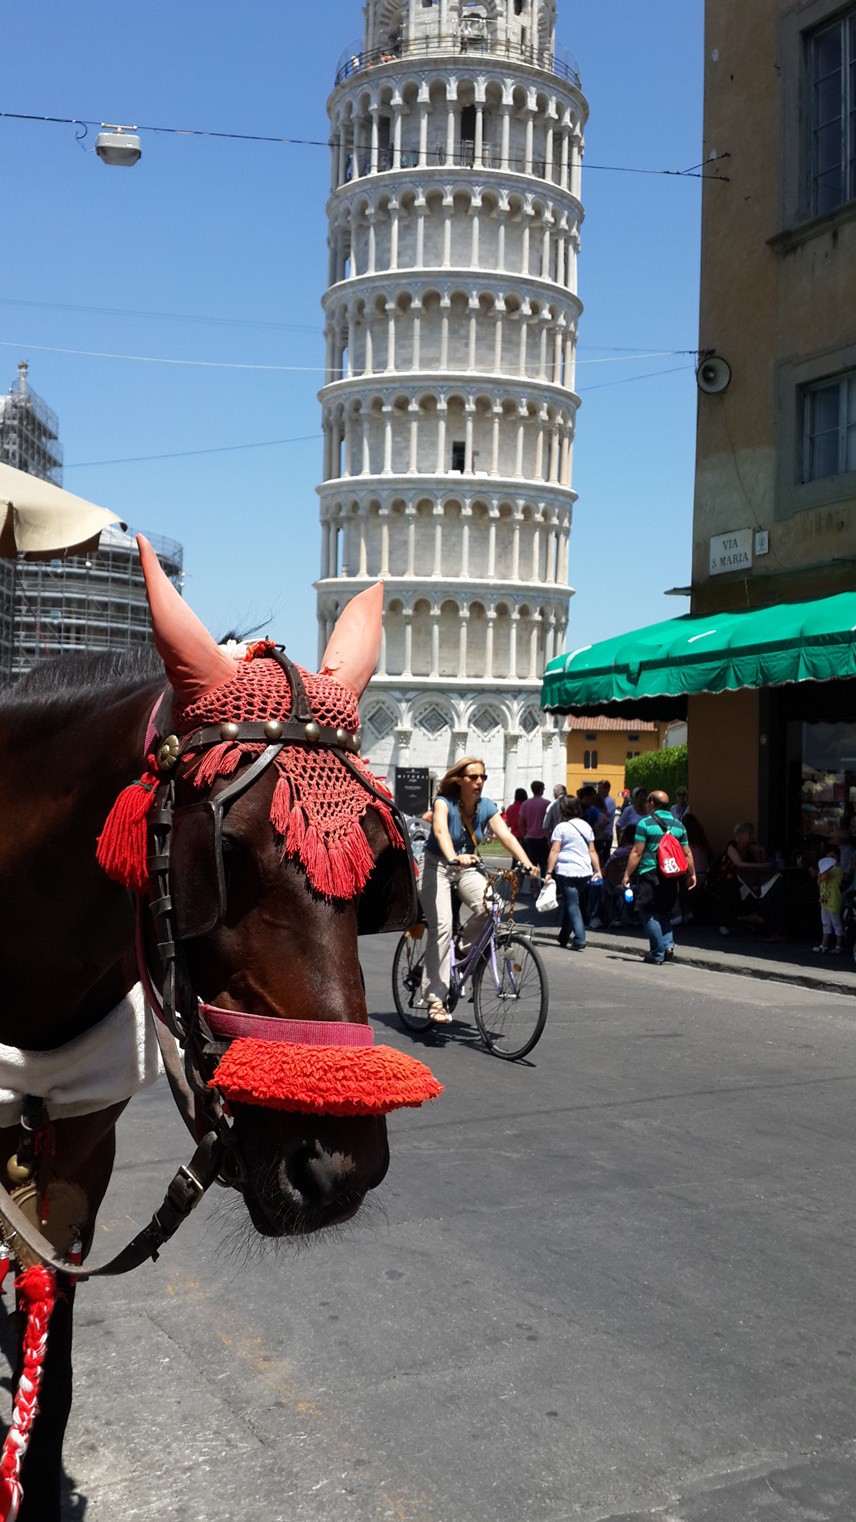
[769,696]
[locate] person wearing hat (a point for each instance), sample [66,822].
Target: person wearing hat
[829,880]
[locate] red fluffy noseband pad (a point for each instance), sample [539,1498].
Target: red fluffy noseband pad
[329,1080]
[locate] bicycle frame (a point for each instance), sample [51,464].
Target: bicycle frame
[461,972]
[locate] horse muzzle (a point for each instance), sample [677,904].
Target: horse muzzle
[303,1173]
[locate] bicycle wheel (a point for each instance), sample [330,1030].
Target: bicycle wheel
[511,1016]
[407,967]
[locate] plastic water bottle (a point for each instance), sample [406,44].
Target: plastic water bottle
[628,894]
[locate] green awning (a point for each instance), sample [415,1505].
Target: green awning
[665,663]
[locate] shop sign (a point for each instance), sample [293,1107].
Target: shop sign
[731,552]
[412,789]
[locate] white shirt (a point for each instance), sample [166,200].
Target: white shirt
[575,837]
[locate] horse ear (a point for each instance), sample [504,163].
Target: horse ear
[194,661]
[352,653]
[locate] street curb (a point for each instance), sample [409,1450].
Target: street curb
[771,972]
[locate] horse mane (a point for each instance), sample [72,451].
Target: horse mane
[76,684]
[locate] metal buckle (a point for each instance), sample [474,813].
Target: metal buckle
[187,1198]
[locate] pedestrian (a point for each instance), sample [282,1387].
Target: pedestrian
[530,822]
[829,880]
[616,911]
[634,809]
[512,813]
[681,803]
[573,862]
[605,837]
[552,816]
[657,892]
[595,813]
[460,818]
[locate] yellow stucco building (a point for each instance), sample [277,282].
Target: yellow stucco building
[599,748]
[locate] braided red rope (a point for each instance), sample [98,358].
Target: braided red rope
[37,1292]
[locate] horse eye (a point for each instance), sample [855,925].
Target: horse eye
[232,853]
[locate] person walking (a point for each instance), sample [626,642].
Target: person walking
[681,803]
[573,861]
[656,893]
[512,813]
[553,815]
[634,809]
[461,816]
[530,823]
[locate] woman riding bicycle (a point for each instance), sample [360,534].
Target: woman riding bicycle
[458,824]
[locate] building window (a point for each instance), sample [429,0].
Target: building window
[831,83]
[590,760]
[829,428]
[459,455]
[518,7]
[632,737]
[591,737]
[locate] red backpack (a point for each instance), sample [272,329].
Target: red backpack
[671,860]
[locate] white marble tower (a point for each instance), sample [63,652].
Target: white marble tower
[449,406]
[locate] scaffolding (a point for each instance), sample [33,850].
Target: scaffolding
[29,432]
[91,602]
[86,602]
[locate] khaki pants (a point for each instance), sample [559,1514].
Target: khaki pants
[439,879]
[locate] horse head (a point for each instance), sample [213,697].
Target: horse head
[282,847]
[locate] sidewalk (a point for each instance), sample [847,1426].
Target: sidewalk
[703,946]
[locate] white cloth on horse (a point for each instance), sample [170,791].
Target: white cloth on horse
[115,1059]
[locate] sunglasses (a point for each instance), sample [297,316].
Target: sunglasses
[474,777]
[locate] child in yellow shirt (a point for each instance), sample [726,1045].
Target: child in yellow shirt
[829,880]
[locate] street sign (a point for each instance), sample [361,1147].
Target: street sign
[412,789]
[731,552]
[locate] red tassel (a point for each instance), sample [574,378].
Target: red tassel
[123,843]
[322,1080]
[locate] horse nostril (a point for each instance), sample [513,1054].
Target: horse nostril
[317,1175]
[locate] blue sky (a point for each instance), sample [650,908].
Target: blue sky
[216,252]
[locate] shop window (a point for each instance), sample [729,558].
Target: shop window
[829,428]
[459,455]
[590,760]
[831,113]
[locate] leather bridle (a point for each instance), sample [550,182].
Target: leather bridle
[183,1022]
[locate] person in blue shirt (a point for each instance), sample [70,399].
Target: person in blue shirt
[460,817]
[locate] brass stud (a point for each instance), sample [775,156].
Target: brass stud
[342,737]
[19,1173]
[273,729]
[228,731]
[311,730]
[167,753]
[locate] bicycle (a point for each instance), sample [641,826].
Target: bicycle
[510,992]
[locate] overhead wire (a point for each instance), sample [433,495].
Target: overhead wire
[307,438]
[311,142]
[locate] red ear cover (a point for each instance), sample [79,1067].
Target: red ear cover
[335,1080]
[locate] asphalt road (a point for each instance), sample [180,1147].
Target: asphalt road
[615,1283]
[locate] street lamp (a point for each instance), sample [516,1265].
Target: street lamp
[118,146]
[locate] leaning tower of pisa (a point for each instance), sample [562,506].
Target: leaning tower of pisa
[449,404]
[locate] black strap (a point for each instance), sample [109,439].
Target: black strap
[183,1195]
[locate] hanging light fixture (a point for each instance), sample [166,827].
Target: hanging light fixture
[118,146]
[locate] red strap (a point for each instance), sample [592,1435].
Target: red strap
[229,1025]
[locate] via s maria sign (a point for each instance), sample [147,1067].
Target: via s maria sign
[731,552]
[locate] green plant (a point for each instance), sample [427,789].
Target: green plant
[667,769]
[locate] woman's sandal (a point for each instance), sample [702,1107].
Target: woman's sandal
[439,1015]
